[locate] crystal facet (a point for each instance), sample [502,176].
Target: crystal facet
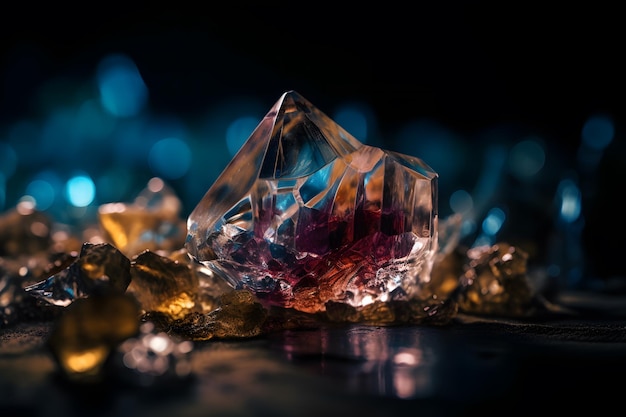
[100,268]
[306,214]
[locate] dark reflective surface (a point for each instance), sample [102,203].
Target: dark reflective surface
[401,362]
[473,366]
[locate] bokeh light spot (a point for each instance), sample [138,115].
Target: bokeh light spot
[461,202]
[170,158]
[238,132]
[122,90]
[526,158]
[598,132]
[42,192]
[80,190]
[570,198]
[493,221]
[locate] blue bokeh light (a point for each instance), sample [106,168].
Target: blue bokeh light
[569,196]
[239,131]
[461,202]
[170,158]
[122,89]
[80,190]
[598,132]
[493,221]
[526,158]
[42,192]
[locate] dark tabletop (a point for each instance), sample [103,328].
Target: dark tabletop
[472,366]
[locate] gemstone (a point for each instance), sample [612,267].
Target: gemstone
[495,282]
[99,268]
[153,358]
[89,331]
[305,214]
[151,222]
[163,285]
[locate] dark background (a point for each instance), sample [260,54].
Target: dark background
[470,66]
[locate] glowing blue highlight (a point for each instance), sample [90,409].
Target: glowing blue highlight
[570,197]
[122,90]
[493,222]
[239,131]
[80,190]
[461,202]
[42,192]
[170,158]
[598,132]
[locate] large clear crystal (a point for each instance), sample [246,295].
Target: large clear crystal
[305,214]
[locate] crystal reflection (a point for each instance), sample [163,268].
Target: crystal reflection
[373,360]
[413,363]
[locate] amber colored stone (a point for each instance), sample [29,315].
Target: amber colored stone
[151,222]
[163,285]
[87,332]
[239,315]
[99,268]
[24,231]
[495,282]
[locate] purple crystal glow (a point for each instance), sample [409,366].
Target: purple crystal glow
[305,214]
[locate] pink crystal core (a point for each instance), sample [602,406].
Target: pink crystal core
[305,214]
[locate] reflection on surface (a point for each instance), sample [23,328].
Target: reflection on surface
[398,362]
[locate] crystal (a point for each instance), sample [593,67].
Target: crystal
[11,295]
[239,315]
[89,331]
[495,282]
[163,285]
[306,214]
[99,268]
[151,222]
[153,358]
[24,230]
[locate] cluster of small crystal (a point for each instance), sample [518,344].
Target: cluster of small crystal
[152,357]
[305,214]
[495,282]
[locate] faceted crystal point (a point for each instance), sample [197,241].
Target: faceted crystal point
[100,268]
[305,214]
